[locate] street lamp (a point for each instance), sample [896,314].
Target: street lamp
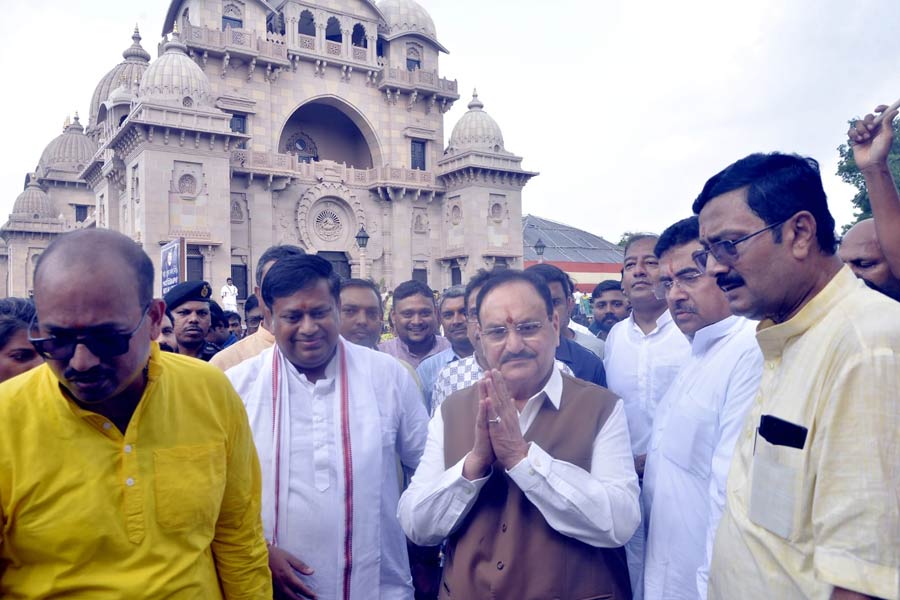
[539,247]
[362,240]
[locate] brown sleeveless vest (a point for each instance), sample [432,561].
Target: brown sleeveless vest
[504,548]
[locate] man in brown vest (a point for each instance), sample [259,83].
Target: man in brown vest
[528,473]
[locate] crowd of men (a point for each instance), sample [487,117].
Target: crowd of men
[725,428]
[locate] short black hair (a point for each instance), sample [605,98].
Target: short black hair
[294,273]
[506,276]
[553,274]
[275,253]
[216,315]
[411,288]
[363,283]
[637,237]
[93,244]
[251,303]
[456,291]
[678,234]
[229,315]
[607,285]
[778,187]
[476,282]
[15,316]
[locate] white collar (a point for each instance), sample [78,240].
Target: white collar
[553,388]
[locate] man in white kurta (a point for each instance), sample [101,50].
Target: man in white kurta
[328,445]
[696,424]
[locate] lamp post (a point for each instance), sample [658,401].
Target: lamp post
[362,240]
[539,247]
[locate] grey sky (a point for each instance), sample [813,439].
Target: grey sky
[625,108]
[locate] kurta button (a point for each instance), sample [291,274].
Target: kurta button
[503,527]
[499,565]
[129,482]
[127,448]
[107,426]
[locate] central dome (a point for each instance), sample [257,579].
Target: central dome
[174,78]
[476,130]
[128,71]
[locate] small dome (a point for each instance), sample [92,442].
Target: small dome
[131,70]
[69,151]
[407,16]
[476,130]
[174,78]
[33,203]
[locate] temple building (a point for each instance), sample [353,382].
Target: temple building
[295,122]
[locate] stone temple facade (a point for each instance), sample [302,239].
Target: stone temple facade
[301,122]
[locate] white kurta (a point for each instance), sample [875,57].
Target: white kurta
[694,433]
[387,420]
[640,368]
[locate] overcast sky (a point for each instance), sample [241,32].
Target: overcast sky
[625,108]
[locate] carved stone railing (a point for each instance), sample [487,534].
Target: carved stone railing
[289,165]
[333,48]
[242,41]
[306,42]
[360,54]
[418,79]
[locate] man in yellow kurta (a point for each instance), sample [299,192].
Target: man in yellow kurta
[811,504]
[124,472]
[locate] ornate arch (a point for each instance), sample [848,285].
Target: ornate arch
[351,112]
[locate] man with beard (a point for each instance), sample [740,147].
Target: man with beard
[642,357]
[415,325]
[609,306]
[166,337]
[452,311]
[528,474]
[696,424]
[125,472]
[861,251]
[330,420]
[189,303]
[362,316]
[811,504]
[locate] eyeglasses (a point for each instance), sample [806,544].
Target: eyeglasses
[725,251]
[527,331]
[103,345]
[685,281]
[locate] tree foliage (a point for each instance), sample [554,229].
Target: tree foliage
[850,173]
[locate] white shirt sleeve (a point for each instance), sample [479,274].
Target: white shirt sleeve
[437,499]
[742,389]
[600,507]
[412,431]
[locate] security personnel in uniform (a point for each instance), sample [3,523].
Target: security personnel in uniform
[189,303]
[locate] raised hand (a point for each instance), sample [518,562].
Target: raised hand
[286,570]
[479,460]
[506,435]
[871,142]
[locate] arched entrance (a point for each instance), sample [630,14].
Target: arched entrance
[327,128]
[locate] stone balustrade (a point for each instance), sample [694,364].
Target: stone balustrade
[395,76]
[271,163]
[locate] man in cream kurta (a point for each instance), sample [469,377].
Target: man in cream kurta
[329,419]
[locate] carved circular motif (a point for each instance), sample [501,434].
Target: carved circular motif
[456,215]
[187,102]
[497,212]
[328,225]
[187,184]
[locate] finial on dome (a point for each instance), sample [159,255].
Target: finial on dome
[76,116]
[67,122]
[136,51]
[475,104]
[175,28]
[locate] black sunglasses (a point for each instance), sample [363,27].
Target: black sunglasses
[103,345]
